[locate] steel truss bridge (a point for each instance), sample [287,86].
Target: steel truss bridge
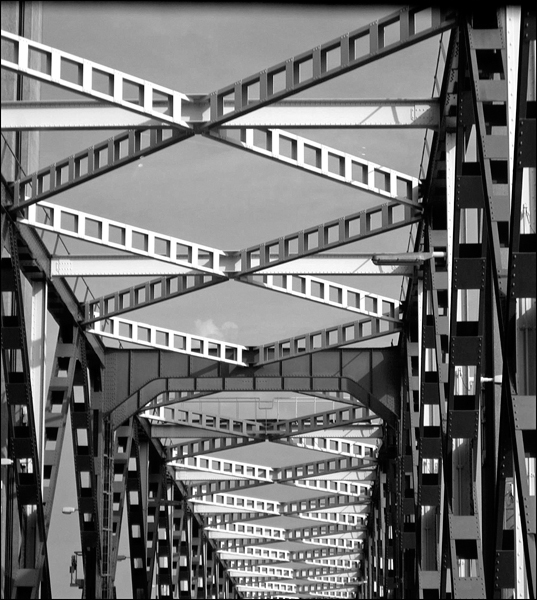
[420,481]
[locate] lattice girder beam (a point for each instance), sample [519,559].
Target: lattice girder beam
[328,468]
[355,49]
[182,416]
[171,340]
[146,294]
[365,329]
[120,236]
[97,160]
[329,293]
[77,74]
[312,157]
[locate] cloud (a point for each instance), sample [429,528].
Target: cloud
[227,332]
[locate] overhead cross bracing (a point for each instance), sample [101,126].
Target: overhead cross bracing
[231,446]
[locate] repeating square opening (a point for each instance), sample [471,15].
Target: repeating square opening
[205,258]
[144,334]
[311,240]
[276,81]
[374,220]
[299,284]
[71,70]
[348,334]
[331,234]
[389,33]
[382,180]
[303,70]
[62,173]
[359,46]
[422,20]
[291,246]
[81,165]
[196,345]
[40,60]
[161,101]
[262,139]
[359,173]
[312,156]
[102,82]
[336,164]
[10,50]
[251,92]
[93,228]
[116,235]
[330,58]
[133,93]
[288,148]
[352,227]
[183,253]
[125,329]
[336,294]
[317,289]
[69,222]
[140,241]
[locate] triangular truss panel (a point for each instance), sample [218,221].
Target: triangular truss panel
[387,453]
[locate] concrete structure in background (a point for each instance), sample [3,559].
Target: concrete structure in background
[424,482]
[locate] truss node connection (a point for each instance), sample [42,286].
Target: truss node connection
[388,456]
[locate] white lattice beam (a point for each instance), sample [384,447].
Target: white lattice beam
[120,236]
[70,72]
[329,293]
[167,339]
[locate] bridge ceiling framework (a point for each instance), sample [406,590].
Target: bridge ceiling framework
[388,454]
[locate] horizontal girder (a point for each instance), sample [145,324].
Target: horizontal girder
[349,113]
[320,264]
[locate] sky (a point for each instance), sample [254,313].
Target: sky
[206,192]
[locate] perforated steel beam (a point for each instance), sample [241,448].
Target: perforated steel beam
[310,68]
[81,75]
[324,161]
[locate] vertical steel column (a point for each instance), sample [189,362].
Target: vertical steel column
[122,451]
[86,455]
[513,259]
[137,522]
[32,572]
[164,548]
[59,394]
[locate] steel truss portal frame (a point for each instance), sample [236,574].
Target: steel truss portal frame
[423,483]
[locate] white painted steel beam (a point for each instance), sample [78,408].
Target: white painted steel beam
[67,114]
[223,466]
[168,339]
[133,266]
[319,159]
[242,503]
[86,77]
[339,446]
[352,113]
[250,531]
[179,415]
[255,552]
[323,113]
[263,571]
[337,264]
[121,236]
[113,266]
[329,293]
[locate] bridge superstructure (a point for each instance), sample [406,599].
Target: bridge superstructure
[327,463]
